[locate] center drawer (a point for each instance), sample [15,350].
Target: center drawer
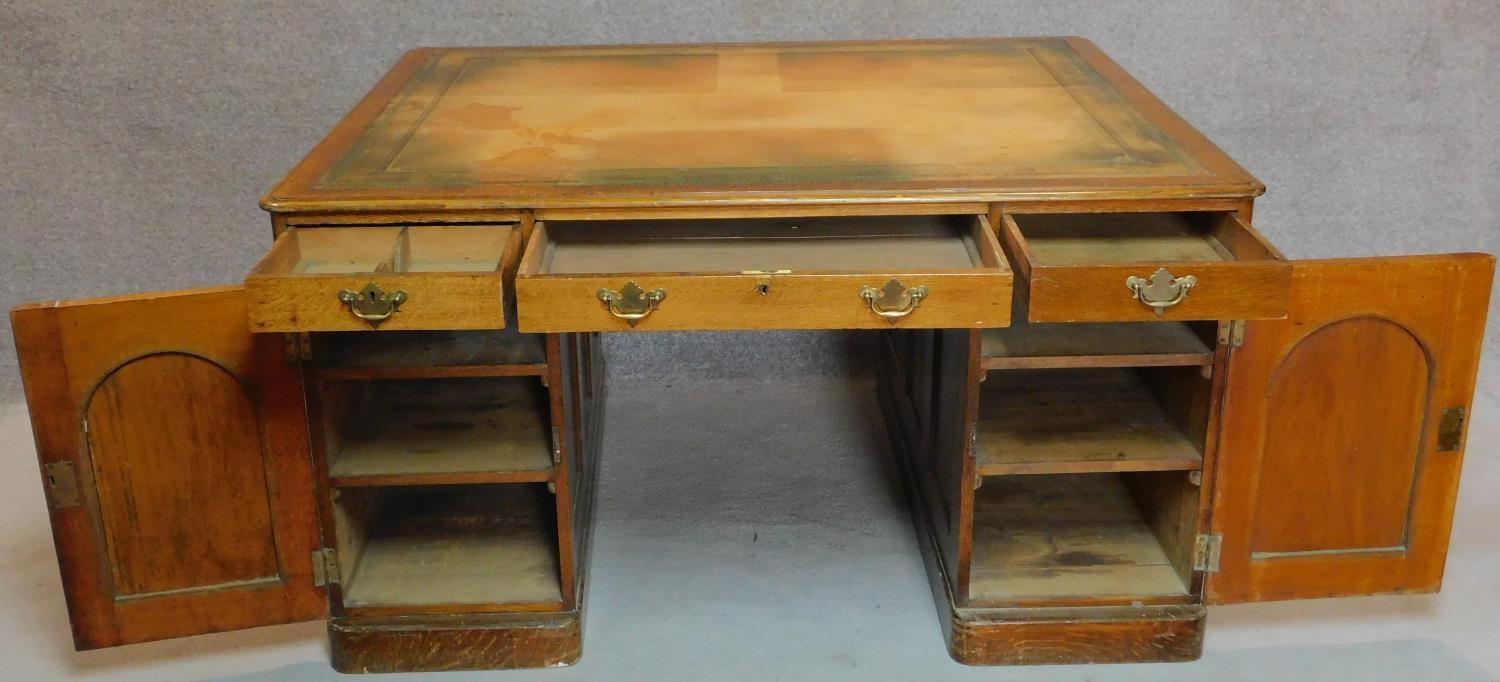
[1138,267]
[871,272]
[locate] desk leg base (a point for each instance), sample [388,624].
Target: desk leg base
[435,643]
[1079,635]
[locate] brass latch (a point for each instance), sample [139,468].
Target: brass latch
[62,484]
[1206,551]
[1451,429]
[325,566]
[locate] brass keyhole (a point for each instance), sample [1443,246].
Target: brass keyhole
[763,289]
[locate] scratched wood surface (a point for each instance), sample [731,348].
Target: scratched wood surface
[1072,636]
[460,642]
[616,125]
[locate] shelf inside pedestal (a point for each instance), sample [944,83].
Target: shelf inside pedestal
[1065,536]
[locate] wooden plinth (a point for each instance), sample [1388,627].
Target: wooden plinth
[478,642]
[1076,635]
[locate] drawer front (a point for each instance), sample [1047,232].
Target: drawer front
[1065,278]
[1222,291]
[430,301]
[725,302]
[383,278]
[895,297]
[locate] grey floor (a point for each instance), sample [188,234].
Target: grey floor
[753,530]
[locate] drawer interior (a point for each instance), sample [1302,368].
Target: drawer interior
[1078,239]
[417,249]
[841,244]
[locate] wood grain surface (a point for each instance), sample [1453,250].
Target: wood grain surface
[461,642]
[195,510]
[453,277]
[1076,265]
[1331,480]
[560,127]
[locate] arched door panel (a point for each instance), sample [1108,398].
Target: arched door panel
[1341,438]
[174,449]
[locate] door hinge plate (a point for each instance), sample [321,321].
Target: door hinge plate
[1206,552]
[325,567]
[1232,333]
[298,346]
[62,485]
[1451,429]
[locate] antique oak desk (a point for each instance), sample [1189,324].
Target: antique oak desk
[1114,401]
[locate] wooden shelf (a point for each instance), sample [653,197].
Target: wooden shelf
[1098,344]
[1039,538]
[1076,421]
[429,354]
[487,430]
[482,547]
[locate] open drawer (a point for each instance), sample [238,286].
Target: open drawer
[1124,267]
[787,273]
[388,278]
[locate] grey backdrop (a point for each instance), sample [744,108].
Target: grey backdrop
[136,138]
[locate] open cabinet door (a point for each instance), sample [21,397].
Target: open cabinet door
[1343,430]
[174,450]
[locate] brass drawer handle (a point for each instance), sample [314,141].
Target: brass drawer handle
[1162,290]
[631,303]
[894,300]
[372,304]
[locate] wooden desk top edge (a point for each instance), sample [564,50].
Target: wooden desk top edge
[1219,176]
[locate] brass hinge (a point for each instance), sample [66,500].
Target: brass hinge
[1232,333]
[298,346]
[325,567]
[1206,552]
[62,484]
[1451,429]
[974,452]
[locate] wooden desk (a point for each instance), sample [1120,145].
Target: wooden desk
[1115,401]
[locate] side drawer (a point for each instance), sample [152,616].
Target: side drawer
[1135,267]
[387,278]
[815,273]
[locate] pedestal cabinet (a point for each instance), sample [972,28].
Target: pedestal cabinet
[1114,400]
